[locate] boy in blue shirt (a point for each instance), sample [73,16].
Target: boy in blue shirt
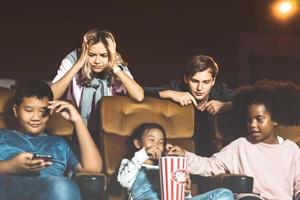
[24,178]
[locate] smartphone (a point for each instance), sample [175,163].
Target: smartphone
[46,158]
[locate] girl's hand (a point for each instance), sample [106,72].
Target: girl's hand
[175,150]
[168,147]
[23,163]
[153,152]
[187,185]
[65,109]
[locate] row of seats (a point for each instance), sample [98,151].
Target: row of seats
[120,115]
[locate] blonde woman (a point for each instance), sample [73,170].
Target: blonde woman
[93,71]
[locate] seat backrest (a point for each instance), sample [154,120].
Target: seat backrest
[57,125]
[289,132]
[7,83]
[120,115]
[6,108]
[224,128]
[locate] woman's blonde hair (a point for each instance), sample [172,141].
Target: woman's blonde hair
[92,37]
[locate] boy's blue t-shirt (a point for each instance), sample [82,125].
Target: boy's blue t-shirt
[13,143]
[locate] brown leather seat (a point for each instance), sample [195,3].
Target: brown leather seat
[119,115]
[289,132]
[6,108]
[224,128]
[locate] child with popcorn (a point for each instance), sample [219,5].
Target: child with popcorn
[140,174]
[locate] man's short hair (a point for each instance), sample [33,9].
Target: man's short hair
[201,63]
[32,88]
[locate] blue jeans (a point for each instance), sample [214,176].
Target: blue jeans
[146,185]
[216,194]
[37,188]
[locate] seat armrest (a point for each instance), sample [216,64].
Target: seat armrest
[92,185]
[238,183]
[205,184]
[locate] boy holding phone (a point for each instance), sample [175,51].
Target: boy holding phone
[25,178]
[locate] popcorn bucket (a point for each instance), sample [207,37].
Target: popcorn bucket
[173,173]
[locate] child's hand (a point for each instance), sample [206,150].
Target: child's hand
[187,185]
[65,109]
[23,163]
[174,150]
[153,152]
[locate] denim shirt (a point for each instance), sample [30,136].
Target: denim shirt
[13,143]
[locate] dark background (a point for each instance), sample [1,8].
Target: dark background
[155,37]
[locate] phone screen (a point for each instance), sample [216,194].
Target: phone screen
[46,158]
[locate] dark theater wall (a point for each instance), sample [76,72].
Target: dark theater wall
[155,37]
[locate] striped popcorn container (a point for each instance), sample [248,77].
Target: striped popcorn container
[172,177]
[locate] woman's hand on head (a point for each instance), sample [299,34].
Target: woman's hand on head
[65,109]
[112,49]
[84,54]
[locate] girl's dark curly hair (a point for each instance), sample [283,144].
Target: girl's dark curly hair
[281,99]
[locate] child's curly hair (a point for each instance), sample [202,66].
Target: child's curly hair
[281,99]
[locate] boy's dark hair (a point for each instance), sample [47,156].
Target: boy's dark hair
[140,131]
[201,63]
[32,88]
[281,99]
